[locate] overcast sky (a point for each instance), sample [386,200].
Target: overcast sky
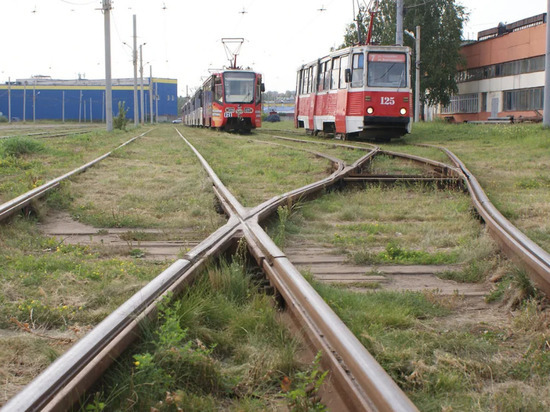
[64,39]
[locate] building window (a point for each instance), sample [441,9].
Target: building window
[516,67]
[464,103]
[523,99]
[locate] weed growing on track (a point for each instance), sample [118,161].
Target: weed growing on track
[26,163]
[511,163]
[53,293]
[221,346]
[397,225]
[49,284]
[255,172]
[481,367]
[173,190]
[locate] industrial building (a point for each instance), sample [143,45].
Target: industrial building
[504,74]
[83,100]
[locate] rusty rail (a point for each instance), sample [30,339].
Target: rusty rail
[530,255]
[365,384]
[363,381]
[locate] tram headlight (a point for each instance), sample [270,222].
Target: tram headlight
[403,111]
[370,110]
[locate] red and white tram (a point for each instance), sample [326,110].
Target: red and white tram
[359,92]
[228,100]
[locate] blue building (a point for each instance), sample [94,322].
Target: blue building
[41,98]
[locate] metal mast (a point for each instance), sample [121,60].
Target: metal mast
[136,108]
[546,110]
[108,80]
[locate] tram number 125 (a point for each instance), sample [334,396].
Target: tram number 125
[388,101]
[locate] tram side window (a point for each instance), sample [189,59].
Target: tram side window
[335,73]
[343,67]
[218,92]
[357,70]
[321,77]
[327,70]
[311,80]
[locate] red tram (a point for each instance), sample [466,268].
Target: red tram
[361,92]
[229,100]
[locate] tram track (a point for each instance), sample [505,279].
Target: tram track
[18,203]
[365,383]
[51,133]
[364,379]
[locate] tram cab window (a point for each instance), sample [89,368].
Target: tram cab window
[357,70]
[239,87]
[387,70]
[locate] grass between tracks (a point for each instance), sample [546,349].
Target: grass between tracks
[28,162]
[487,365]
[511,162]
[221,346]
[442,360]
[255,172]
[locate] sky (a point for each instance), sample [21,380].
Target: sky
[181,39]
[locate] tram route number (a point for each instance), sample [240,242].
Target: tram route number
[227,114]
[387,101]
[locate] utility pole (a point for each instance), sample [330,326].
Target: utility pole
[417,79]
[546,111]
[141,97]
[399,24]
[108,81]
[25,102]
[136,108]
[34,102]
[9,99]
[151,93]
[156,102]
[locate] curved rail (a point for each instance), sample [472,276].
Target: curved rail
[23,200]
[534,258]
[365,384]
[357,374]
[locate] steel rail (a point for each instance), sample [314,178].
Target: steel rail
[403,178]
[534,258]
[52,133]
[23,200]
[363,381]
[87,359]
[344,145]
[72,374]
[442,168]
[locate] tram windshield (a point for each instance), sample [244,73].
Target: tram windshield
[239,87]
[387,70]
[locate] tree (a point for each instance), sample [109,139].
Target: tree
[441,24]
[121,120]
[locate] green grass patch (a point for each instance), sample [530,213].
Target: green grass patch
[394,253]
[221,346]
[19,146]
